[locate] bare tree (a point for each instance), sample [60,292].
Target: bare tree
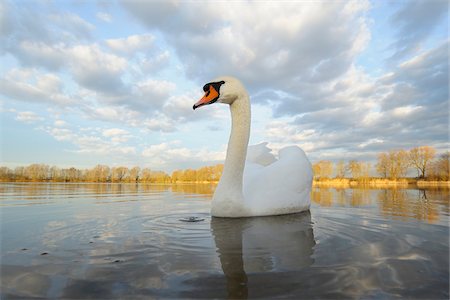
[118,174]
[340,169]
[355,168]
[420,157]
[134,174]
[37,172]
[323,169]
[382,165]
[6,173]
[146,175]
[365,170]
[440,169]
[99,173]
[398,163]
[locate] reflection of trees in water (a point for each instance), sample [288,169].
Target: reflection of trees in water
[126,191]
[440,196]
[322,196]
[331,196]
[360,197]
[200,188]
[425,209]
[423,205]
[408,204]
[392,202]
[341,196]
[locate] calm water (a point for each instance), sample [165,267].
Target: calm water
[107,241]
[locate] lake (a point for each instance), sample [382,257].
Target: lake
[129,241]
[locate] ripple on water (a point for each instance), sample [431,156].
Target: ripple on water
[175,235]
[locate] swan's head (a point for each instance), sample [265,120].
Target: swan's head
[221,90]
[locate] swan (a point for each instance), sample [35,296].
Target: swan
[253,182]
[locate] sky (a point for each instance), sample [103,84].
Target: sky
[113,82]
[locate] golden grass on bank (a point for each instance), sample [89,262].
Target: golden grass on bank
[379,183]
[426,183]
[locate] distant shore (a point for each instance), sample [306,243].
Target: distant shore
[325,183]
[381,183]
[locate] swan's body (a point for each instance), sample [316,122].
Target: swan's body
[262,185]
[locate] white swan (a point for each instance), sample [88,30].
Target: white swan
[262,185]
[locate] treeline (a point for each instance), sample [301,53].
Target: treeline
[392,165]
[103,173]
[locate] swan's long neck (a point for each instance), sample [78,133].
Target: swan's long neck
[237,145]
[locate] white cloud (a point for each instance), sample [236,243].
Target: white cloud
[89,142]
[167,153]
[52,57]
[151,93]
[28,117]
[369,142]
[71,23]
[114,114]
[404,111]
[97,70]
[293,39]
[111,132]
[117,135]
[131,44]
[60,123]
[159,123]
[153,63]
[105,17]
[31,86]
[61,134]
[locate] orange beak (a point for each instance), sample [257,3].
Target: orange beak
[210,97]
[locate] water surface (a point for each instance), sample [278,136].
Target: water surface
[108,241]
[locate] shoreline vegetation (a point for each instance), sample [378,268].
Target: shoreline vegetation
[345,183]
[206,175]
[381,183]
[392,168]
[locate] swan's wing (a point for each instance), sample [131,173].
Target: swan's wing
[260,154]
[286,183]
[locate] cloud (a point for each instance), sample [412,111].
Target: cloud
[111,132]
[96,70]
[113,114]
[40,38]
[170,153]
[292,61]
[404,108]
[35,23]
[108,78]
[294,43]
[28,117]
[92,143]
[31,86]
[152,93]
[414,22]
[154,63]
[60,123]
[72,24]
[117,135]
[131,44]
[105,17]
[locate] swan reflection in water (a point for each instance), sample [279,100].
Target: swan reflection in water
[261,245]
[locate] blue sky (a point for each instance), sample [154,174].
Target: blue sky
[113,82]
